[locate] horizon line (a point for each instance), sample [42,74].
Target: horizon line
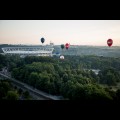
[60,44]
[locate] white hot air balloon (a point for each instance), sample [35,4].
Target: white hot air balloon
[61,57]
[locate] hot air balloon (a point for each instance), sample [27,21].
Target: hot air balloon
[62,46]
[62,57]
[42,40]
[109,42]
[67,45]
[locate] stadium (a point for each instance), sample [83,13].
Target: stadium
[29,50]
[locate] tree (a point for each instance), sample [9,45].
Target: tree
[109,76]
[118,94]
[15,73]
[20,91]
[1,66]
[26,94]
[33,78]
[12,95]
[2,92]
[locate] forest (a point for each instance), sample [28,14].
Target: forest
[71,78]
[10,92]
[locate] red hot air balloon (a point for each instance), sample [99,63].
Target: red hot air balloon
[67,45]
[109,42]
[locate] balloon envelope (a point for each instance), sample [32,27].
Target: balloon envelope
[67,45]
[42,40]
[61,57]
[109,42]
[62,46]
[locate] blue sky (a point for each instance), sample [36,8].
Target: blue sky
[76,32]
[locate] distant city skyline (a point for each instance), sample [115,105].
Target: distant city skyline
[75,32]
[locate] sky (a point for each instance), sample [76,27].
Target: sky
[75,32]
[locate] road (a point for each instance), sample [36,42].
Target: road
[36,94]
[33,95]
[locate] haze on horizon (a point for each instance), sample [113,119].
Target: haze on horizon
[75,32]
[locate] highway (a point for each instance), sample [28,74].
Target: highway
[36,94]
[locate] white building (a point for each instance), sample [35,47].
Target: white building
[29,50]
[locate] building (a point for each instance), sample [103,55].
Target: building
[29,50]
